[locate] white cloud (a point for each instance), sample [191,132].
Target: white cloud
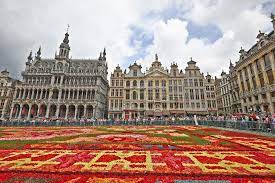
[103,23]
[238,22]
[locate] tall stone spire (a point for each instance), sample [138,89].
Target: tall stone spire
[38,53]
[104,54]
[30,57]
[64,48]
[100,56]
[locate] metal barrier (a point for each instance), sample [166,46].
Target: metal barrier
[239,125]
[257,126]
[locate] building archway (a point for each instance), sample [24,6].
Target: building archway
[52,111]
[80,111]
[71,112]
[42,110]
[34,110]
[25,111]
[16,111]
[89,111]
[62,111]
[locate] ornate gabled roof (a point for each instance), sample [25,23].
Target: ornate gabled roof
[191,61]
[135,65]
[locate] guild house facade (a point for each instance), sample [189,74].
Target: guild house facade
[256,72]
[62,87]
[159,92]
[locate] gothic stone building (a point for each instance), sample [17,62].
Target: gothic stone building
[62,88]
[256,72]
[160,92]
[7,86]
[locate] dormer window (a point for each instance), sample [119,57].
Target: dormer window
[135,73]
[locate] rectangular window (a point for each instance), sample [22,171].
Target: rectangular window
[185,83]
[197,94]
[171,97]
[202,94]
[201,82]
[150,94]
[267,62]
[198,105]
[141,95]
[261,78]
[157,94]
[170,89]
[190,82]
[163,83]
[127,94]
[258,66]
[186,95]
[191,94]
[163,94]
[196,82]
[270,76]
[157,83]
[150,83]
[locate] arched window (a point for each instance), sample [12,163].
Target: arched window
[141,83]
[59,66]
[134,83]
[127,83]
[134,95]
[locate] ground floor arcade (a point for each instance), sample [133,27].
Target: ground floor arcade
[33,111]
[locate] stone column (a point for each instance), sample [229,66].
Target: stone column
[48,111]
[61,80]
[75,114]
[50,94]
[20,111]
[52,80]
[272,61]
[239,74]
[29,112]
[94,111]
[19,94]
[57,111]
[67,110]
[261,61]
[85,108]
[38,110]
[59,95]
[24,93]
[32,94]
[12,108]
[77,94]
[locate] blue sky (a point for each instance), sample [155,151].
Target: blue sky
[210,31]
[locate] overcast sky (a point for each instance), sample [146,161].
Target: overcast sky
[209,31]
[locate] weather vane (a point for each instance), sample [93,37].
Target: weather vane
[68,28]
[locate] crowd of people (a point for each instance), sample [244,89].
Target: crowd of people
[266,121]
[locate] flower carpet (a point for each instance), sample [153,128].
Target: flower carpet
[157,154]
